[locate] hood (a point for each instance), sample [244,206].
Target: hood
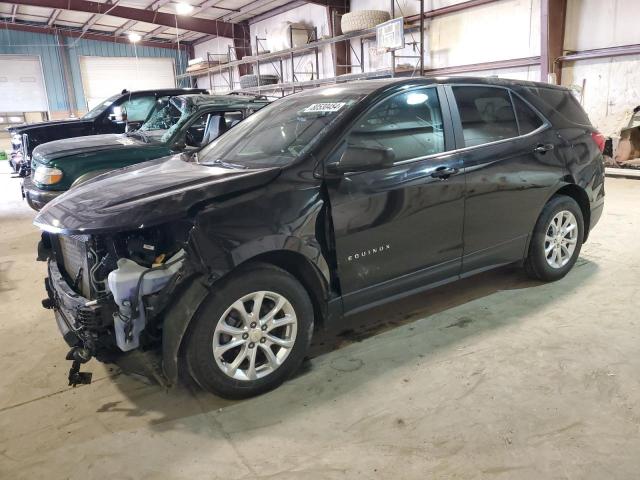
[47,152]
[145,194]
[30,127]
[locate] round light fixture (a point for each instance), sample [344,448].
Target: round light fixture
[134,37]
[183,8]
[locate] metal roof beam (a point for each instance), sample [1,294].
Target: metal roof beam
[53,17]
[216,27]
[196,10]
[76,33]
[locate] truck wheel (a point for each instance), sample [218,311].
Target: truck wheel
[251,334]
[556,240]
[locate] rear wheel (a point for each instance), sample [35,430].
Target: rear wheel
[556,240]
[251,334]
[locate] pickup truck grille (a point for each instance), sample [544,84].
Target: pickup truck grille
[73,257]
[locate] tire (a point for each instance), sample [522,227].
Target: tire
[249,81]
[220,323]
[550,255]
[363,20]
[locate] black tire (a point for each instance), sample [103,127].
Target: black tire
[199,354]
[536,264]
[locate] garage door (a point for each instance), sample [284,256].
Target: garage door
[106,76]
[22,85]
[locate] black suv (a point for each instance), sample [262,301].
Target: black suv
[124,111]
[322,204]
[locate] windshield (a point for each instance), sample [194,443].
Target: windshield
[281,132]
[101,107]
[168,115]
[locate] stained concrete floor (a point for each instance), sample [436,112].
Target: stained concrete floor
[492,377]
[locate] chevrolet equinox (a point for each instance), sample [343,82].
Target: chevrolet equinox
[219,265]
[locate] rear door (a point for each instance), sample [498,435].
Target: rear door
[510,166]
[399,228]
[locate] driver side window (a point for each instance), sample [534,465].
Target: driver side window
[410,123]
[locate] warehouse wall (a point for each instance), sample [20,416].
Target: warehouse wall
[47,47]
[220,81]
[472,36]
[611,85]
[275,33]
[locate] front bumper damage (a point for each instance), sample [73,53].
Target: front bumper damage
[108,328]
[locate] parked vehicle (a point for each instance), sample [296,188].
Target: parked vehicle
[184,123]
[126,110]
[322,204]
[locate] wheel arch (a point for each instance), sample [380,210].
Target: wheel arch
[303,270]
[582,199]
[179,317]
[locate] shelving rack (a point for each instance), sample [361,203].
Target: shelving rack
[277,59]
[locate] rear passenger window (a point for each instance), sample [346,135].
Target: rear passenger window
[486,114]
[410,123]
[528,120]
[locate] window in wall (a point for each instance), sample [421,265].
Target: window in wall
[486,114]
[410,123]
[528,120]
[138,109]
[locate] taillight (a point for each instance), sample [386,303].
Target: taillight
[599,139]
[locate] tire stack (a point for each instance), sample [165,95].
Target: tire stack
[250,81]
[363,20]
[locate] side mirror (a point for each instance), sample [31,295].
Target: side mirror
[359,159]
[118,115]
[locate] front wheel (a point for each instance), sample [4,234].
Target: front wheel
[251,334]
[556,240]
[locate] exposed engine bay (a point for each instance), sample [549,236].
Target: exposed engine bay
[109,291]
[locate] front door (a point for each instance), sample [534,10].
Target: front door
[399,228]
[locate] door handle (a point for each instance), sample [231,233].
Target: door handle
[443,172]
[543,148]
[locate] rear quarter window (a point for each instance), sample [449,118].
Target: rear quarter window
[561,107]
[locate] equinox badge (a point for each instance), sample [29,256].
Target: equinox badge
[370,251]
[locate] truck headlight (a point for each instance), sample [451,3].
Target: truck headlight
[47,175]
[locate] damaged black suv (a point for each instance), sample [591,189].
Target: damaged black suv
[320,205]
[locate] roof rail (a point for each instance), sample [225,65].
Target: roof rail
[247,94]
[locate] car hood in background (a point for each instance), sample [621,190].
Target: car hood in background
[26,128]
[47,152]
[145,194]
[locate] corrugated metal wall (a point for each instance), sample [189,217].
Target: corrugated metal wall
[48,49]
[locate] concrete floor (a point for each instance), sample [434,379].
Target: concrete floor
[493,377]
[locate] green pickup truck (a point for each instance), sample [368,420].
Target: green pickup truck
[184,124]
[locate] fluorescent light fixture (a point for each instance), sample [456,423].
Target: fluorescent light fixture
[134,37]
[417,98]
[183,8]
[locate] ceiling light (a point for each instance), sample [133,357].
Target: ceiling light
[183,8]
[134,37]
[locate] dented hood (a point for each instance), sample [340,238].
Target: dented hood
[145,194]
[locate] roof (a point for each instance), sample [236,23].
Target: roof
[163,91]
[370,86]
[201,101]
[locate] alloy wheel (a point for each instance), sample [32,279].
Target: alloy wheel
[560,239]
[255,335]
